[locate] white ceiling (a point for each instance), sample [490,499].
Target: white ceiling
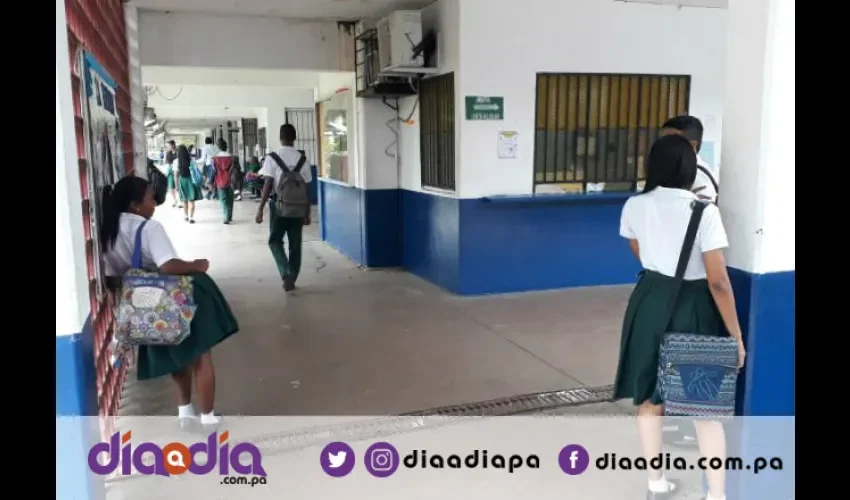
[304,9]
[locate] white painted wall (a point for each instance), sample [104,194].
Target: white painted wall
[443,16]
[378,145]
[758,198]
[212,40]
[502,50]
[72,291]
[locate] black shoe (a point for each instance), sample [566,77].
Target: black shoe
[674,485]
[288,284]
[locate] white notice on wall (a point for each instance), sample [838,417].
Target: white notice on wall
[507,144]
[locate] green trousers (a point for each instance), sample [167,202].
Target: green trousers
[291,227]
[225,199]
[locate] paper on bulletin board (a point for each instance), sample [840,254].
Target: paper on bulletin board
[507,148]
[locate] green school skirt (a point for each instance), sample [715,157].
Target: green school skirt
[643,329]
[213,323]
[189,191]
[170,180]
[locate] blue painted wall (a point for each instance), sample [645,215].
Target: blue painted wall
[365,225]
[76,405]
[473,247]
[430,242]
[766,387]
[529,245]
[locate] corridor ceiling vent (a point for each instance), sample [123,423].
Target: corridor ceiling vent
[705,4]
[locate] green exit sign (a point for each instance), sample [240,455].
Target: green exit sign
[485,108]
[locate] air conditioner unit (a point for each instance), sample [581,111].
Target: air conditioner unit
[398,34]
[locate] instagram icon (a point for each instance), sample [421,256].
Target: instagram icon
[381,459]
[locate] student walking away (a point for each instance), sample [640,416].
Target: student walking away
[207,154]
[170,173]
[237,178]
[126,206]
[223,164]
[285,176]
[189,191]
[655,223]
[690,127]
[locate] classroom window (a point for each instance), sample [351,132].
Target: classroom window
[333,130]
[594,131]
[437,131]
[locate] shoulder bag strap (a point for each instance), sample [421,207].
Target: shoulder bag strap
[277,159]
[136,260]
[710,177]
[697,208]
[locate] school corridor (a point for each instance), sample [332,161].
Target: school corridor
[353,341]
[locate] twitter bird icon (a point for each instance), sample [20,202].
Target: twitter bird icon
[337,459]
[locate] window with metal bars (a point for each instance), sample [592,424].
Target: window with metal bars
[249,137]
[594,131]
[304,121]
[261,139]
[437,131]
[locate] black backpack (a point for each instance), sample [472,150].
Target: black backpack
[159,184]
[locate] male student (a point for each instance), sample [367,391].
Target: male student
[691,128]
[286,174]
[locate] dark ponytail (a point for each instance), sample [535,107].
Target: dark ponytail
[117,200]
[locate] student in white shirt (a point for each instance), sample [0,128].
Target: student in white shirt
[206,162]
[690,127]
[125,208]
[292,227]
[654,223]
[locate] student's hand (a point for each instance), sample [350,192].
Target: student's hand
[742,354]
[259,217]
[203,265]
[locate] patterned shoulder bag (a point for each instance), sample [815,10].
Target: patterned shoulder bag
[154,308]
[697,374]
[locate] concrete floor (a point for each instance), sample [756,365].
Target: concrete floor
[353,341]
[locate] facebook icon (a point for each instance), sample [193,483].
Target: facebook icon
[573,459]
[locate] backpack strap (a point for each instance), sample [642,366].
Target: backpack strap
[301,162]
[710,177]
[697,207]
[136,260]
[277,159]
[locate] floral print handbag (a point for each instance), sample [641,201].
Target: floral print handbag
[154,309]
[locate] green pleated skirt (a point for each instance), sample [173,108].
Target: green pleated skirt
[213,322]
[170,181]
[643,329]
[189,191]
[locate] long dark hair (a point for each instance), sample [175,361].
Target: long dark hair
[116,200]
[672,163]
[184,159]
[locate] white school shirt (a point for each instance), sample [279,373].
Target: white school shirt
[207,154]
[156,246]
[659,219]
[703,180]
[290,157]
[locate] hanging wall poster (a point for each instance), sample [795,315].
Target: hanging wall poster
[103,148]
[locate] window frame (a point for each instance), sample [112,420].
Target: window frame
[630,143]
[437,128]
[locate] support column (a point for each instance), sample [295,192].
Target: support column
[75,371]
[757,202]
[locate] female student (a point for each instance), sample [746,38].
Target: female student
[655,223]
[189,191]
[170,158]
[125,208]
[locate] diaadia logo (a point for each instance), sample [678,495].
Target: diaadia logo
[176,458]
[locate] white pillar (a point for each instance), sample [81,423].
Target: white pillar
[757,202]
[137,98]
[75,384]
